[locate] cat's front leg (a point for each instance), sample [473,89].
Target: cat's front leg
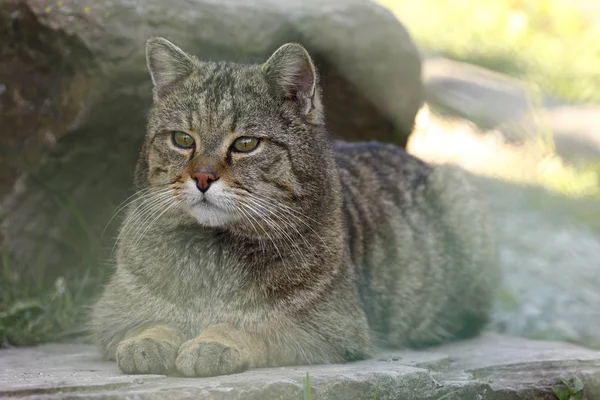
[219,350]
[150,350]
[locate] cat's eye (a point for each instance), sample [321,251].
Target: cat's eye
[245,144]
[183,140]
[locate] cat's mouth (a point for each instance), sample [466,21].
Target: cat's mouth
[204,202]
[209,209]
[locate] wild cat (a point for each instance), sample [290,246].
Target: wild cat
[255,240]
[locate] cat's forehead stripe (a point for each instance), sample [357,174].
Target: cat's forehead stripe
[210,113]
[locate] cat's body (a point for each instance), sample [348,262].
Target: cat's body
[297,251]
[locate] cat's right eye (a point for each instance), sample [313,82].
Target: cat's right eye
[183,140]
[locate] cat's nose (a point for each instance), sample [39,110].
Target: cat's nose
[204,177]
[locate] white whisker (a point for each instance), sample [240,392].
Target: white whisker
[250,209]
[285,235]
[143,212]
[286,210]
[175,203]
[141,194]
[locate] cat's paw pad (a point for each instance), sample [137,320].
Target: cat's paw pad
[210,358]
[146,355]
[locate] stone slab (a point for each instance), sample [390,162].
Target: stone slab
[489,367]
[483,96]
[575,130]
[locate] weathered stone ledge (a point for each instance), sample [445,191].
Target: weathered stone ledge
[489,367]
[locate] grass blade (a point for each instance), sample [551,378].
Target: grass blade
[307,392]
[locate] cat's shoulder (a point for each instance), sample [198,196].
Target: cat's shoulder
[376,152]
[385,161]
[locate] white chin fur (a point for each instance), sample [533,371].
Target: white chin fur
[209,213]
[210,216]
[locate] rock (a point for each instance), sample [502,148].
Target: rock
[491,367]
[549,261]
[574,131]
[74,89]
[485,97]
[512,107]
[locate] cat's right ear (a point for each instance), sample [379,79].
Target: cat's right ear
[167,63]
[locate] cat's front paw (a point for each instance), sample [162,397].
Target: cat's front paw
[147,355]
[198,357]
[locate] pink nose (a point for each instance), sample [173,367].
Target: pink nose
[204,177]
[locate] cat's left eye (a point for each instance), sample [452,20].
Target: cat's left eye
[245,144]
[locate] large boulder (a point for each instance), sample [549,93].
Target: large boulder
[74,89]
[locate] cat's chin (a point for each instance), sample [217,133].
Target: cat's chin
[210,216]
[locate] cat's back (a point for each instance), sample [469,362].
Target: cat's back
[379,183]
[375,168]
[420,242]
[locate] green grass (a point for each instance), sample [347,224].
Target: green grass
[573,391]
[33,311]
[552,43]
[35,307]
[307,392]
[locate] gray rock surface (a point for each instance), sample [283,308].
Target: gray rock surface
[575,130]
[485,97]
[491,367]
[550,256]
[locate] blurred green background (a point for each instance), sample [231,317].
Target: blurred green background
[553,43]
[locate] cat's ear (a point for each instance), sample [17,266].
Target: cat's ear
[291,70]
[167,63]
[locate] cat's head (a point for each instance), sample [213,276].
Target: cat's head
[232,145]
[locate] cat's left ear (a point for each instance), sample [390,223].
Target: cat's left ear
[167,63]
[292,72]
